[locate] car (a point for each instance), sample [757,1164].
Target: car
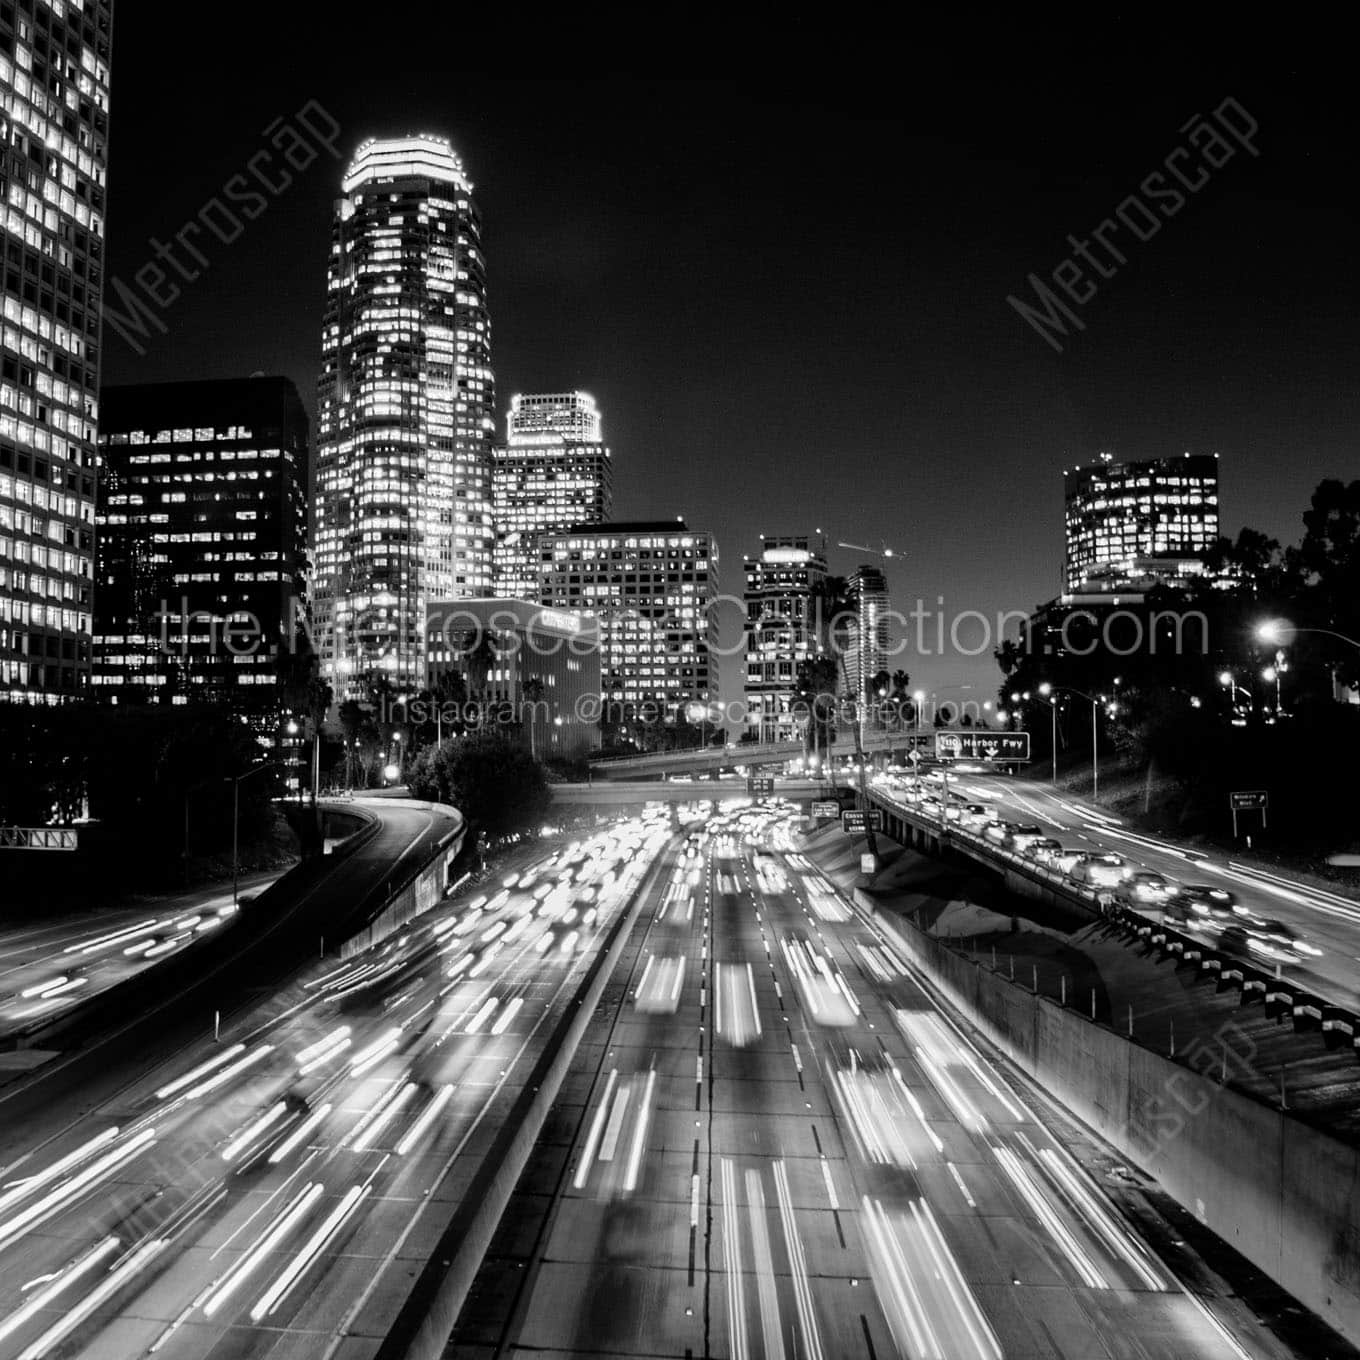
[975,814]
[1146,888]
[1042,848]
[1021,836]
[1202,901]
[1104,870]
[1268,930]
[999,831]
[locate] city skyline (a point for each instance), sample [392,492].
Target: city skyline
[571,244]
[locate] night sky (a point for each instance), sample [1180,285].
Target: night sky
[788,291]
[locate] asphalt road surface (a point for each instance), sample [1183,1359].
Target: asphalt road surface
[275,1192]
[782,1148]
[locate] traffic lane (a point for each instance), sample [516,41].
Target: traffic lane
[1329,926]
[45,968]
[1007,1203]
[244,1105]
[666,1132]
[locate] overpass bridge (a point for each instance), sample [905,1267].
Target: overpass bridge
[706,759]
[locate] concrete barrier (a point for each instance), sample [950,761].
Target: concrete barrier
[1283,1194]
[422,889]
[427,1318]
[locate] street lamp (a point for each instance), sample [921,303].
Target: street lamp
[1094,700]
[1273,631]
[236,820]
[1229,682]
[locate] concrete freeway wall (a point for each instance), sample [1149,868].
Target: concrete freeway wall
[1285,1195]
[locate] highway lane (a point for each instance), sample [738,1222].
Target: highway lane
[785,1150]
[274,1193]
[1325,920]
[47,966]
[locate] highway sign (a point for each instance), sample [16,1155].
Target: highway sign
[760,783]
[1252,798]
[993,746]
[826,808]
[853,820]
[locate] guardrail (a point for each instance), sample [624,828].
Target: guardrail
[1339,1025]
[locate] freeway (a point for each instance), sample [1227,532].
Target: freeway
[53,964]
[274,1191]
[782,1147]
[1324,920]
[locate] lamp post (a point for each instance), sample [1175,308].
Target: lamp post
[1274,630]
[236,821]
[1046,690]
[1229,682]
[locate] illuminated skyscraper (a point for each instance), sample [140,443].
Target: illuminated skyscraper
[54,112]
[781,631]
[200,587]
[867,653]
[402,510]
[553,472]
[1128,523]
[653,586]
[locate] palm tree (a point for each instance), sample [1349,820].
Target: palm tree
[531,692]
[833,606]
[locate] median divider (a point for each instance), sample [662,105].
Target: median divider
[427,1318]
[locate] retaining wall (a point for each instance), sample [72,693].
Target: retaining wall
[1285,1195]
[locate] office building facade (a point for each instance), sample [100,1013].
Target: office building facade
[1130,525]
[54,108]
[867,651]
[781,629]
[406,412]
[552,472]
[200,583]
[526,669]
[652,585]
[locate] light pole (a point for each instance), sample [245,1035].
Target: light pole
[236,821]
[1274,630]
[1046,690]
[1229,682]
[1053,709]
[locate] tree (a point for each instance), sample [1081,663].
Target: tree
[1329,559]
[492,780]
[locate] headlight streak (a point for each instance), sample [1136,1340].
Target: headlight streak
[21,1189]
[371,1054]
[308,1252]
[64,1279]
[593,1136]
[365,1140]
[291,1216]
[630,1176]
[736,1296]
[321,1052]
[300,1134]
[193,1074]
[104,1290]
[920,1328]
[118,936]
[1044,1212]
[427,1116]
[14,1228]
[802,1287]
[1117,1238]
[223,1076]
[252,1131]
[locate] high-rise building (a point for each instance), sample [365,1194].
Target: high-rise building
[54,112]
[653,586]
[868,644]
[553,471]
[1131,523]
[200,583]
[781,630]
[406,412]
